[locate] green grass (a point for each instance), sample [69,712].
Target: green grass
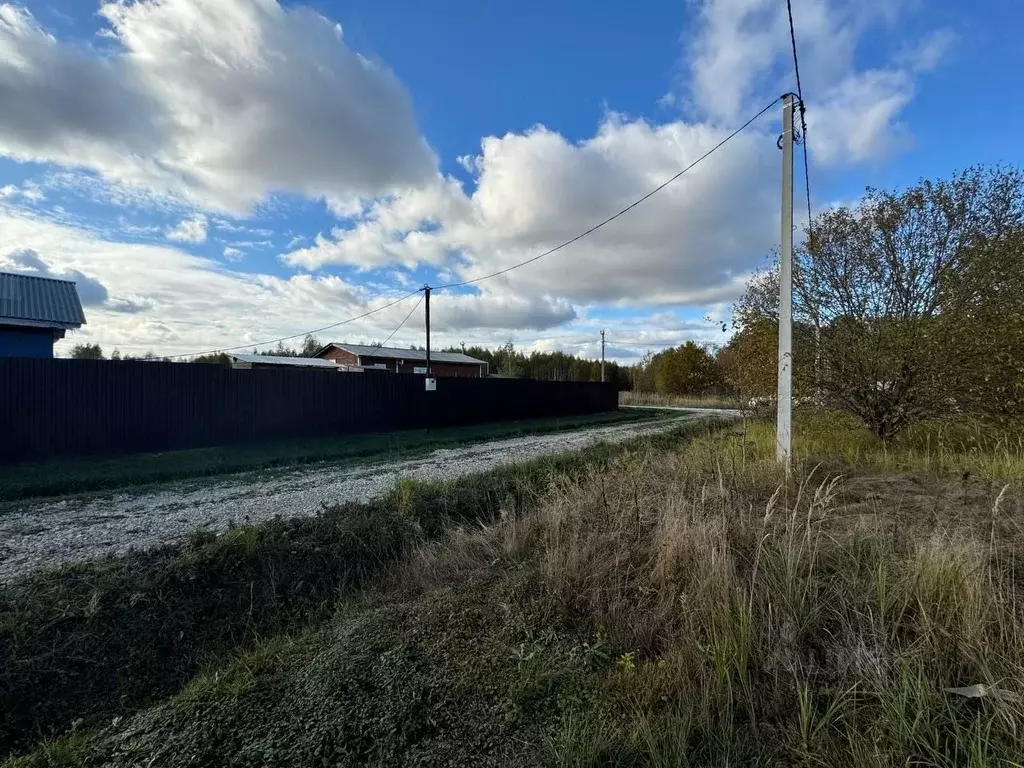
[67,477]
[675,602]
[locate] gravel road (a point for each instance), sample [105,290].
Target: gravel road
[47,533]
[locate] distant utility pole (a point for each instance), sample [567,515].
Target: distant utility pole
[602,355]
[784,422]
[426,294]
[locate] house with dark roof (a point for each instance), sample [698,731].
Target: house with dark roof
[35,312]
[394,360]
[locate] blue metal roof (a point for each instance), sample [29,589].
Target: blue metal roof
[39,301]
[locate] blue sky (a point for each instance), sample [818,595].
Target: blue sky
[222,172]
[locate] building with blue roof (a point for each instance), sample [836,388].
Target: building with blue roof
[35,312]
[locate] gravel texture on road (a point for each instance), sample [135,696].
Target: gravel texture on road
[38,534]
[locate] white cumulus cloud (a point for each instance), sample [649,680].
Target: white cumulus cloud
[91,292]
[741,53]
[696,241]
[173,302]
[216,105]
[537,189]
[462,312]
[190,230]
[28,192]
[220,101]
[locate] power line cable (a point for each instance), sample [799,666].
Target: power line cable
[796,60]
[803,120]
[378,346]
[559,247]
[612,218]
[302,333]
[583,337]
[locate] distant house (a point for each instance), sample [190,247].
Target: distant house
[35,312]
[448,364]
[274,361]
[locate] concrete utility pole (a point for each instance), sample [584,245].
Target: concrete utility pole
[784,422]
[426,294]
[602,355]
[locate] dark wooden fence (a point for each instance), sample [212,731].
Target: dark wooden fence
[65,408]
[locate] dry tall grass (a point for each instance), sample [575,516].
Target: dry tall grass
[760,621]
[955,445]
[691,401]
[679,602]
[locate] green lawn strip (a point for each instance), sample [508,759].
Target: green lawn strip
[91,641]
[89,475]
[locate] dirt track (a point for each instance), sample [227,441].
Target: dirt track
[52,532]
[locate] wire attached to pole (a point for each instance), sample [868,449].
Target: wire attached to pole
[803,121]
[391,335]
[506,270]
[295,335]
[614,216]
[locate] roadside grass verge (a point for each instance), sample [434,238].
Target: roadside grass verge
[94,640]
[675,603]
[104,638]
[783,626]
[957,445]
[628,397]
[76,476]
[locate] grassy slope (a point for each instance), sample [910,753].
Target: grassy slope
[63,477]
[106,637]
[673,604]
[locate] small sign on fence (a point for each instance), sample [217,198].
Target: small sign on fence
[64,408]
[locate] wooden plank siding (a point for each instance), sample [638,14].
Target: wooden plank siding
[438,368]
